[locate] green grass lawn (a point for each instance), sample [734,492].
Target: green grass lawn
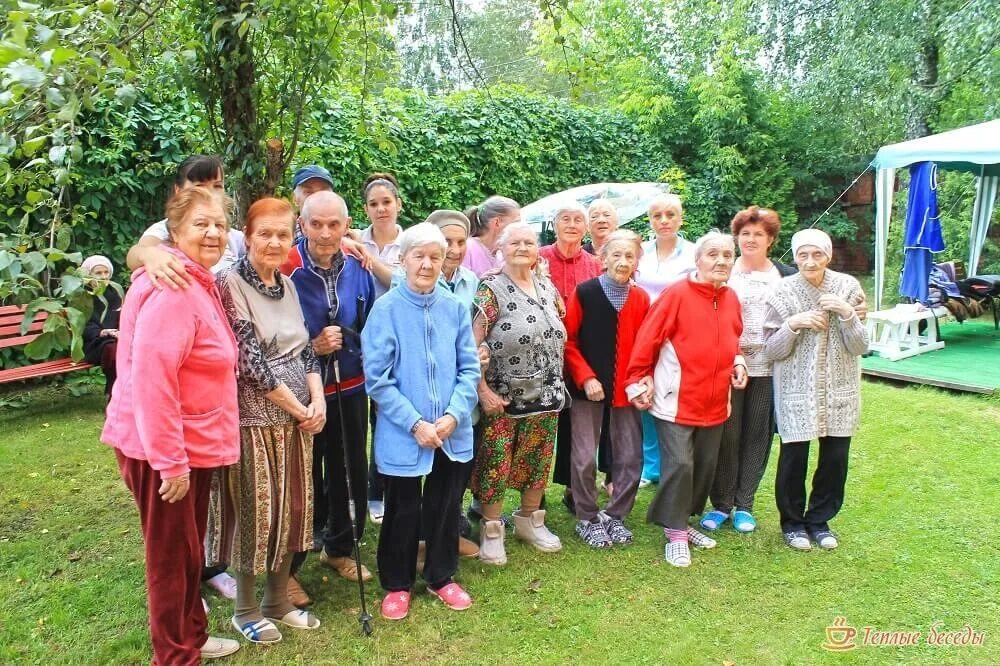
[919,545]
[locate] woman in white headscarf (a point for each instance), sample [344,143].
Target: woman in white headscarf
[815,338]
[100,335]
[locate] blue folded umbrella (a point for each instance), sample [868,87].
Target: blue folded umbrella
[921,233]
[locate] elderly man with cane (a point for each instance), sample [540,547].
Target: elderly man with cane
[336,293]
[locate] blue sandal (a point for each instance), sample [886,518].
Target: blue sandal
[713,520]
[261,631]
[743,522]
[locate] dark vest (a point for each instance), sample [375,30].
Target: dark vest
[598,336]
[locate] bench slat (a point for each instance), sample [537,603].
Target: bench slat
[15,329]
[56,367]
[21,340]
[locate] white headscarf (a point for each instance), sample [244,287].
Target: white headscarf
[92,262]
[814,237]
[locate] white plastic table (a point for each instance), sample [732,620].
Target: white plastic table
[895,335]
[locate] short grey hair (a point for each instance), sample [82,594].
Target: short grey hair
[619,237]
[602,203]
[712,237]
[668,199]
[419,235]
[515,226]
[570,207]
[314,201]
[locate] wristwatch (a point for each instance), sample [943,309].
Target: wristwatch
[413,428]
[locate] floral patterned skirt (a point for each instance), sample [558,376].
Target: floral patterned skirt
[261,508]
[514,453]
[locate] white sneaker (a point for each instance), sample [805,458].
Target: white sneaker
[798,540]
[699,540]
[218,647]
[677,554]
[645,483]
[376,511]
[825,539]
[224,584]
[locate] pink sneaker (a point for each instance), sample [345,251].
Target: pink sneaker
[396,605]
[453,596]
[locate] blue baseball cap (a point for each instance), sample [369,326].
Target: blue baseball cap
[308,173]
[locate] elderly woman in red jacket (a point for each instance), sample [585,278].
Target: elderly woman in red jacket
[602,319]
[173,420]
[684,362]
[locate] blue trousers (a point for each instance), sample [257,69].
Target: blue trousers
[650,449]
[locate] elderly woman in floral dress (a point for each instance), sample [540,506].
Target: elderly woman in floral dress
[520,394]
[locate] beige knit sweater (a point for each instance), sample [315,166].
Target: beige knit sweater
[817,374]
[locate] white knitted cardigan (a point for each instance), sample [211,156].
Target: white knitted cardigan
[817,374]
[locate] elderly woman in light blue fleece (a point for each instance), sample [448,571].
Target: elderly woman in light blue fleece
[422,369]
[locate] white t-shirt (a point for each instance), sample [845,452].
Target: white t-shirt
[654,275]
[236,246]
[389,255]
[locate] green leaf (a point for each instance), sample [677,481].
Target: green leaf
[27,75]
[33,262]
[70,283]
[40,348]
[61,55]
[34,196]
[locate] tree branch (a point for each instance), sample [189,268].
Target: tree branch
[151,16]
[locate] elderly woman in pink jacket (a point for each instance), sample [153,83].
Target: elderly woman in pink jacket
[173,419]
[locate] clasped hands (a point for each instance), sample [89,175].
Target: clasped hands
[432,435]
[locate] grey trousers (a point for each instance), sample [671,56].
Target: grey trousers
[688,456]
[626,457]
[746,446]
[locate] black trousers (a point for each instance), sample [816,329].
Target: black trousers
[746,446]
[828,482]
[376,488]
[421,506]
[330,479]
[564,447]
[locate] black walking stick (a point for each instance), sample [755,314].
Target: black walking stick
[364,618]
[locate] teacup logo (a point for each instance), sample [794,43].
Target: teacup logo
[840,636]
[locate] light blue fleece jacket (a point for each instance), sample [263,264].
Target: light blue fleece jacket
[420,362]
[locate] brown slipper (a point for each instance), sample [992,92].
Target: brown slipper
[296,594]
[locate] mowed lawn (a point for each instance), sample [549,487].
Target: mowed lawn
[919,533]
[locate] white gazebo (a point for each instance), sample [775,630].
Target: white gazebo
[974,149]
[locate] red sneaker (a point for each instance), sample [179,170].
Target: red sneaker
[453,596]
[396,605]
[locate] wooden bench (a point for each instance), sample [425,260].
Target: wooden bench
[895,333]
[11,318]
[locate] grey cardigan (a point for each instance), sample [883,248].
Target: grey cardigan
[817,374]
